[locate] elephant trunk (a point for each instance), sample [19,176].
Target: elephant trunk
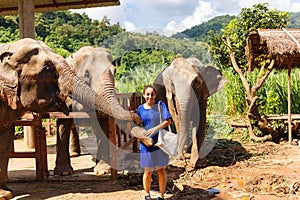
[184,115]
[71,85]
[183,132]
[106,90]
[105,102]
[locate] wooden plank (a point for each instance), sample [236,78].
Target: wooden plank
[283,117]
[61,115]
[127,144]
[22,155]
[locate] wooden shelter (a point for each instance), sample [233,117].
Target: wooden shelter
[275,44]
[280,45]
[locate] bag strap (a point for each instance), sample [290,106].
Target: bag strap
[160,114]
[159,110]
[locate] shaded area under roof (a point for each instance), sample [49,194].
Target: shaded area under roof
[275,44]
[10,7]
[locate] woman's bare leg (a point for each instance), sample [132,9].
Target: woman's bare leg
[147,179]
[162,180]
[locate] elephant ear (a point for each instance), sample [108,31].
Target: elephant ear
[167,82]
[8,81]
[163,84]
[212,77]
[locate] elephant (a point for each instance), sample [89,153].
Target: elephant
[34,78]
[93,66]
[185,86]
[28,82]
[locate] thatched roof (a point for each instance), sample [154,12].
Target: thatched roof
[275,44]
[9,7]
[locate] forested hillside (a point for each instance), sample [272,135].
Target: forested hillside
[295,20]
[201,32]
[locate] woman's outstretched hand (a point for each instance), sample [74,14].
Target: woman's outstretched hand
[150,132]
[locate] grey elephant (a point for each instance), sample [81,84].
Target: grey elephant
[34,78]
[28,82]
[185,86]
[93,66]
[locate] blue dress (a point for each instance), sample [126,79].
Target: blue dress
[153,156]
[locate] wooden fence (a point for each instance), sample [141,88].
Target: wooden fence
[129,101]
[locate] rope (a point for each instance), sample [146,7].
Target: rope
[291,36]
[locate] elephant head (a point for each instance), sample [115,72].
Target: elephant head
[94,67]
[29,76]
[185,86]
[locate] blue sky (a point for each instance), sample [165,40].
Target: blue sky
[171,16]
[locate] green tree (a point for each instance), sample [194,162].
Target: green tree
[136,49]
[9,29]
[233,40]
[66,32]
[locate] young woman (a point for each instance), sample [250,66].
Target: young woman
[152,157]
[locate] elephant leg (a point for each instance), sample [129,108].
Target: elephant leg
[63,163]
[75,144]
[102,135]
[6,137]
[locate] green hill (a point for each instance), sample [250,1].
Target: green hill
[200,32]
[294,20]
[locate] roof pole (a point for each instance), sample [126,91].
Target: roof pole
[289,105]
[26,18]
[289,88]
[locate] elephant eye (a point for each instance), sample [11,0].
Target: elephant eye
[48,66]
[49,71]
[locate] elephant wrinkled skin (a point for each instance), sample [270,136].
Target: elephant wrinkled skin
[93,66]
[185,86]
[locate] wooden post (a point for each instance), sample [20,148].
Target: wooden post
[26,18]
[112,147]
[289,105]
[27,30]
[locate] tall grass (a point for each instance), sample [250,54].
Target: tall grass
[135,79]
[235,94]
[274,93]
[272,96]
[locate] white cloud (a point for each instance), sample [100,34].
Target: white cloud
[172,28]
[282,5]
[129,26]
[114,13]
[177,15]
[203,12]
[295,7]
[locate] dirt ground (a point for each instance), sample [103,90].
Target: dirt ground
[234,170]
